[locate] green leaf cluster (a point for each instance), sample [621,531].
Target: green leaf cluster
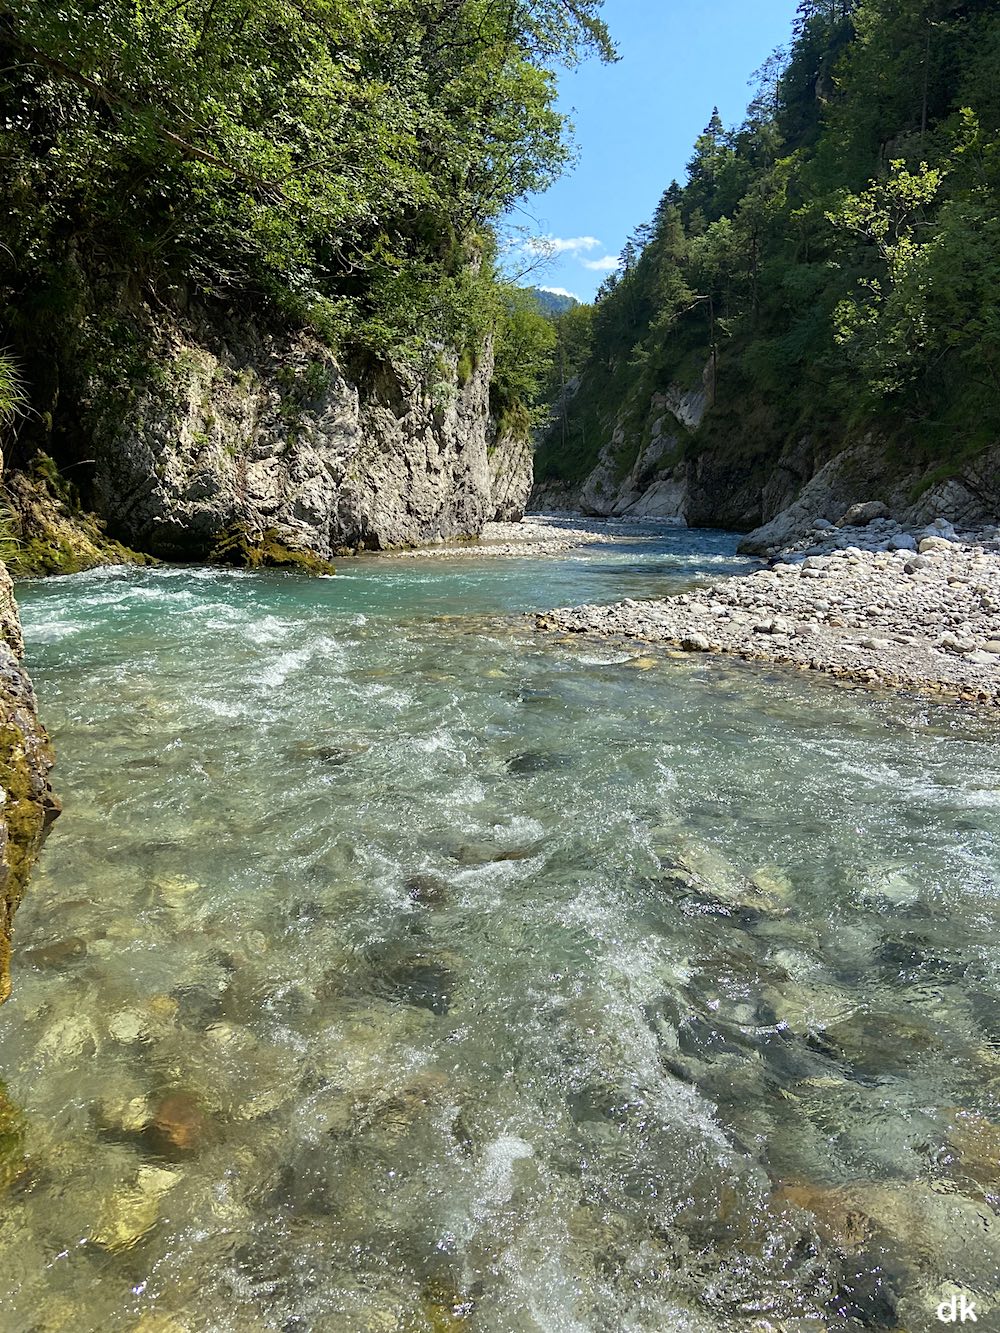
[341,162]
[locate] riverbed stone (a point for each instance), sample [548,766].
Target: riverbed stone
[533,762]
[122,1114]
[58,955]
[860,515]
[178,1125]
[175,890]
[69,1038]
[976,1141]
[430,890]
[903,542]
[13,1163]
[132,1212]
[128,1026]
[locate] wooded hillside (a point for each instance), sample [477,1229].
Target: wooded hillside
[832,266]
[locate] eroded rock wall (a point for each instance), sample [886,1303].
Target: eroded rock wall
[643,470]
[675,464]
[912,495]
[511,464]
[267,434]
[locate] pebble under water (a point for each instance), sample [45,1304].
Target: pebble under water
[396,968]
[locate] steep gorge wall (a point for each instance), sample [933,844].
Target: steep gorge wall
[512,474]
[682,463]
[232,436]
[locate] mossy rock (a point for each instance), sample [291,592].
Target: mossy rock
[28,811]
[41,556]
[244,549]
[43,529]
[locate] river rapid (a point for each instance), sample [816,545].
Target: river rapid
[394,967]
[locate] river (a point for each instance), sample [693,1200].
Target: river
[393,967]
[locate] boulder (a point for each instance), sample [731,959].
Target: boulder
[903,541]
[860,515]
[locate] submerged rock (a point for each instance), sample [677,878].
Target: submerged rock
[444,1307]
[178,1125]
[68,1039]
[431,890]
[485,853]
[880,1045]
[128,1026]
[835,1212]
[866,1292]
[976,1141]
[424,982]
[123,1116]
[129,1215]
[334,755]
[697,870]
[12,1132]
[538,761]
[177,890]
[59,955]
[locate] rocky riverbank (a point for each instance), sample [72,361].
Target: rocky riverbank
[27,805]
[922,614]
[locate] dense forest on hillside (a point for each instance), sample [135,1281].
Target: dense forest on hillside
[334,165]
[831,267]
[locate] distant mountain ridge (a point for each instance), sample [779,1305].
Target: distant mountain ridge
[552,303]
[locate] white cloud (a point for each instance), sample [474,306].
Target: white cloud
[606,265]
[551,246]
[559,291]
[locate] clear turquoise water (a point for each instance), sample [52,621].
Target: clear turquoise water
[395,968]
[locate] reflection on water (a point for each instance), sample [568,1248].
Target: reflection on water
[392,971]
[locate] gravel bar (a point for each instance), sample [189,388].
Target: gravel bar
[923,618]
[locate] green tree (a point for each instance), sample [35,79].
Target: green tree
[525,347]
[884,117]
[346,156]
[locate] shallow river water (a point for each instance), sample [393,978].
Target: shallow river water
[393,967]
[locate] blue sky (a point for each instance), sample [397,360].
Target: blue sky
[636,123]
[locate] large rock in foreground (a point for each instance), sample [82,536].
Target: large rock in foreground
[28,806]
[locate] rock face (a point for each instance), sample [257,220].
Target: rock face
[265,434]
[660,463]
[512,475]
[651,481]
[28,806]
[857,486]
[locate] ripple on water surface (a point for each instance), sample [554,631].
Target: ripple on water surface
[397,971]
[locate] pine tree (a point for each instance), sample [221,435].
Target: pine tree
[707,149]
[832,13]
